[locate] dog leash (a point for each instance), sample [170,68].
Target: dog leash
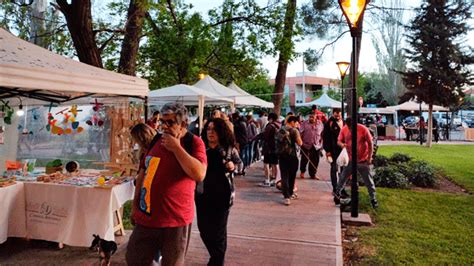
[309,160]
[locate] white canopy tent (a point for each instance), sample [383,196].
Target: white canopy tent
[415,106]
[187,95]
[248,98]
[30,71]
[323,101]
[238,98]
[31,75]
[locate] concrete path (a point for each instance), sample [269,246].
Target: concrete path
[261,231]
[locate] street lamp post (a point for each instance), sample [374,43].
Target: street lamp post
[354,12]
[343,66]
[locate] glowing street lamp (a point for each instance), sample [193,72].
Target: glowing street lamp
[343,66]
[354,12]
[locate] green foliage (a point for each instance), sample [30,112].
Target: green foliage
[127,214]
[422,174]
[456,161]
[380,160]
[258,86]
[417,228]
[390,177]
[400,158]
[438,53]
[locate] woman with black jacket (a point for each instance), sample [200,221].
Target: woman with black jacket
[213,204]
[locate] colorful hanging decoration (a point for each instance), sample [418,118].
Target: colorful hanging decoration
[69,118]
[6,112]
[96,121]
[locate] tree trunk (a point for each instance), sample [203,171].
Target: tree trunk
[131,40]
[429,139]
[79,22]
[286,51]
[38,27]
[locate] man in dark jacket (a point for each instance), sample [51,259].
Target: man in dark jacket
[240,133]
[331,131]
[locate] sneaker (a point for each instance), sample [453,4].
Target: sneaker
[374,204]
[345,202]
[302,175]
[265,183]
[294,196]
[287,202]
[272,182]
[315,177]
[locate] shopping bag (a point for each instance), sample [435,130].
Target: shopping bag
[343,159]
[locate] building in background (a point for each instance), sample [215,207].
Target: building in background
[312,84]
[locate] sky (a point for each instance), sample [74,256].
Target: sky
[340,52]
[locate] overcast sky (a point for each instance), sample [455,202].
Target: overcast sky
[340,52]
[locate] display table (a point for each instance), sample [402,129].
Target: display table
[12,212]
[71,214]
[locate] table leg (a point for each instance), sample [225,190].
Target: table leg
[119,226]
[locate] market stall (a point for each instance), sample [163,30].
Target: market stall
[63,106]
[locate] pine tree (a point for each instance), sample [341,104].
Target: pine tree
[439,58]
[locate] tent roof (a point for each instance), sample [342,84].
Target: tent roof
[415,106]
[380,110]
[248,99]
[323,101]
[210,84]
[28,70]
[186,94]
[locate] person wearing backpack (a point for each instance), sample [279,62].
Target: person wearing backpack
[286,139]
[270,158]
[213,204]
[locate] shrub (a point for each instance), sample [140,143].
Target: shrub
[380,160]
[389,176]
[400,158]
[422,174]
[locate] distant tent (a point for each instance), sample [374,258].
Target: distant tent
[249,99]
[415,106]
[323,101]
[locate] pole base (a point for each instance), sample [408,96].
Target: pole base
[362,220]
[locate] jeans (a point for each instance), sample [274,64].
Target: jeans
[364,171]
[288,169]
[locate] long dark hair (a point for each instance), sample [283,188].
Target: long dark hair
[225,135]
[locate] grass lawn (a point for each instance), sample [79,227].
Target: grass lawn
[426,228]
[457,161]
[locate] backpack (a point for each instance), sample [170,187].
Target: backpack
[283,143]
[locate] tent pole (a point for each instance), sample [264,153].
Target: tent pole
[146,108]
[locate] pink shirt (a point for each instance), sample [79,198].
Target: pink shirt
[364,138]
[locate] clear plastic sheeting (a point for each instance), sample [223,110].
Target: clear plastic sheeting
[91,145]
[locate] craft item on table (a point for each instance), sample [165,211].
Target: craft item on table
[72,167]
[8,181]
[53,178]
[2,134]
[54,166]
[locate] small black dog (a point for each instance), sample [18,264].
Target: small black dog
[105,248]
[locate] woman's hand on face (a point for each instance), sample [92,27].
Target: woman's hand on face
[230,166]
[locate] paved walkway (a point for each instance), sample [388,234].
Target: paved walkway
[261,231]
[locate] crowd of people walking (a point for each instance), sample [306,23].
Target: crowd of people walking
[181,167]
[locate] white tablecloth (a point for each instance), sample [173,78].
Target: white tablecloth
[71,214]
[12,212]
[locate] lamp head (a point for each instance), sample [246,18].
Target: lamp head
[202,76]
[20,111]
[343,66]
[353,11]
